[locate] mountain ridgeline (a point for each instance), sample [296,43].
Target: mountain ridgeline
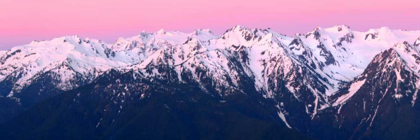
[332,83]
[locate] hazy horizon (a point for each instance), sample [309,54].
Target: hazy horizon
[24,21]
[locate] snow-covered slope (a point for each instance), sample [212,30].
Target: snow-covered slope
[386,90]
[309,68]
[404,59]
[2,52]
[342,54]
[82,56]
[70,56]
[351,81]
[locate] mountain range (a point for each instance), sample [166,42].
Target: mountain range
[329,83]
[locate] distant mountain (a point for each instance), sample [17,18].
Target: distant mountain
[332,83]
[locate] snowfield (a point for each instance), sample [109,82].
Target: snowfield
[325,57]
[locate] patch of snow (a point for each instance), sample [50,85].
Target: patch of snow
[398,96]
[352,90]
[282,117]
[413,102]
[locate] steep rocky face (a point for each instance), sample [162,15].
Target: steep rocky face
[371,106]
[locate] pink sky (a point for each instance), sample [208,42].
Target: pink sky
[22,21]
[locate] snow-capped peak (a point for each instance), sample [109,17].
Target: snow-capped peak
[82,56]
[240,35]
[239,27]
[410,56]
[335,54]
[161,32]
[339,29]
